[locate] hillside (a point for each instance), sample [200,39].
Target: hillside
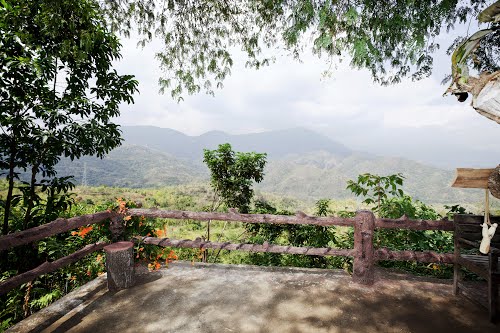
[133,166]
[275,143]
[301,164]
[321,175]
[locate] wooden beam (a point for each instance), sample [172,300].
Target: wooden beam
[426,256]
[267,248]
[48,267]
[50,229]
[233,216]
[299,218]
[472,178]
[406,223]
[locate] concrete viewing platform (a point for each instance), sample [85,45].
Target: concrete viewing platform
[235,298]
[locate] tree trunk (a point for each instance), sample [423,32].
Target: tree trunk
[120,265]
[8,200]
[494,182]
[27,215]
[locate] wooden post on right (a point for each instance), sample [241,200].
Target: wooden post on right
[364,262]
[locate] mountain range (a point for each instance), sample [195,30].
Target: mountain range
[301,163]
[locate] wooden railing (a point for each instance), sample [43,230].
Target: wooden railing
[53,228]
[363,253]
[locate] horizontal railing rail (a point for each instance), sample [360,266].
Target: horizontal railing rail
[406,223]
[48,267]
[51,229]
[262,248]
[299,218]
[233,216]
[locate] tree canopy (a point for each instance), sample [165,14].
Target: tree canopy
[393,39]
[232,175]
[58,96]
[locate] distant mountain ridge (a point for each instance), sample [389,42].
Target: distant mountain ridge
[301,163]
[276,144]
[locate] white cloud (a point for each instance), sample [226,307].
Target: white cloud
[347,107]
[447,116]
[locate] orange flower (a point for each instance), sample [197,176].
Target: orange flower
[84,231]
[127,218]
[171,257]
[121,205]
[160,233]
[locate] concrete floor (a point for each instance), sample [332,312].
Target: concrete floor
[231,298]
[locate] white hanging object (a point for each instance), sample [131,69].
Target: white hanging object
[488,228]
[488,234]
[487,102]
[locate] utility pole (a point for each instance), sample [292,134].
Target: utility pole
[84,176]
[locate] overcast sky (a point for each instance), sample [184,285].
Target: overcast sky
[411,119]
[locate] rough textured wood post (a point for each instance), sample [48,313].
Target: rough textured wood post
[457,274]
[117,228]
[493,287]
[120,265]
[494,182]
[363,270]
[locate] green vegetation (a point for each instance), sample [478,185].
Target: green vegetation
[58,95]
[232,176]
[386,195]
[299,235]
[31,297]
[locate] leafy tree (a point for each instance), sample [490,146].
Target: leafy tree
[393,39]
[391,202]
[375,188]
[323,207]
[58,95]
[232,175]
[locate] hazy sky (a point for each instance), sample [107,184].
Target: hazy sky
[411,119]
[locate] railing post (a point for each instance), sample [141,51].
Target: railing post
[120,265]
[363,267]
[117,228]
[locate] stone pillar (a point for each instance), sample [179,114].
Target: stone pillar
[363,266]
[120,265]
